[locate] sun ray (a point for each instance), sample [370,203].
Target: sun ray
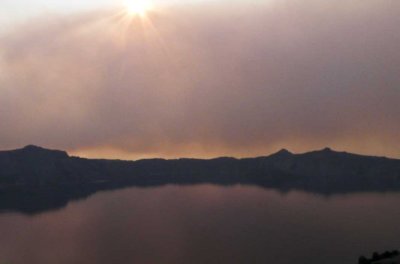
[138,7]
[129,30]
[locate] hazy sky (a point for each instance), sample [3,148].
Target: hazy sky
[200,78]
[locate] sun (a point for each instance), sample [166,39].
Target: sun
[138,7]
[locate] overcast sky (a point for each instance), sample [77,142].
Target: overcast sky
[203,79]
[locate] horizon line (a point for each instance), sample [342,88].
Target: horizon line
[283,151]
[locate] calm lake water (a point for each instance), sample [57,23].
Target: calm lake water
[204,224]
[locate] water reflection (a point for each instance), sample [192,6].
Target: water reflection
[204,224]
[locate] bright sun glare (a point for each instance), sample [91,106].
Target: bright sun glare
[138,7]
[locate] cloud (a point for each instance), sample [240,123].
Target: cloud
[206,80]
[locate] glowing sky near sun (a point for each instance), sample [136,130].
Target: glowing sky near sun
[200,78]
[20,9]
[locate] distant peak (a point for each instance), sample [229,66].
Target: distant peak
[33,149]
[282,152]
[327,149]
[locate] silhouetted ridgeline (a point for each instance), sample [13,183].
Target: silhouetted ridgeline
[320,171]
[42,174]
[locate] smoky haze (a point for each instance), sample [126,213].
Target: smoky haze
[206,79]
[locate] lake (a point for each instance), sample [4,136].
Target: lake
[204,224]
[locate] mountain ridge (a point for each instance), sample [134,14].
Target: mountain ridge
[33,179]
[33,165]
[327,150]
